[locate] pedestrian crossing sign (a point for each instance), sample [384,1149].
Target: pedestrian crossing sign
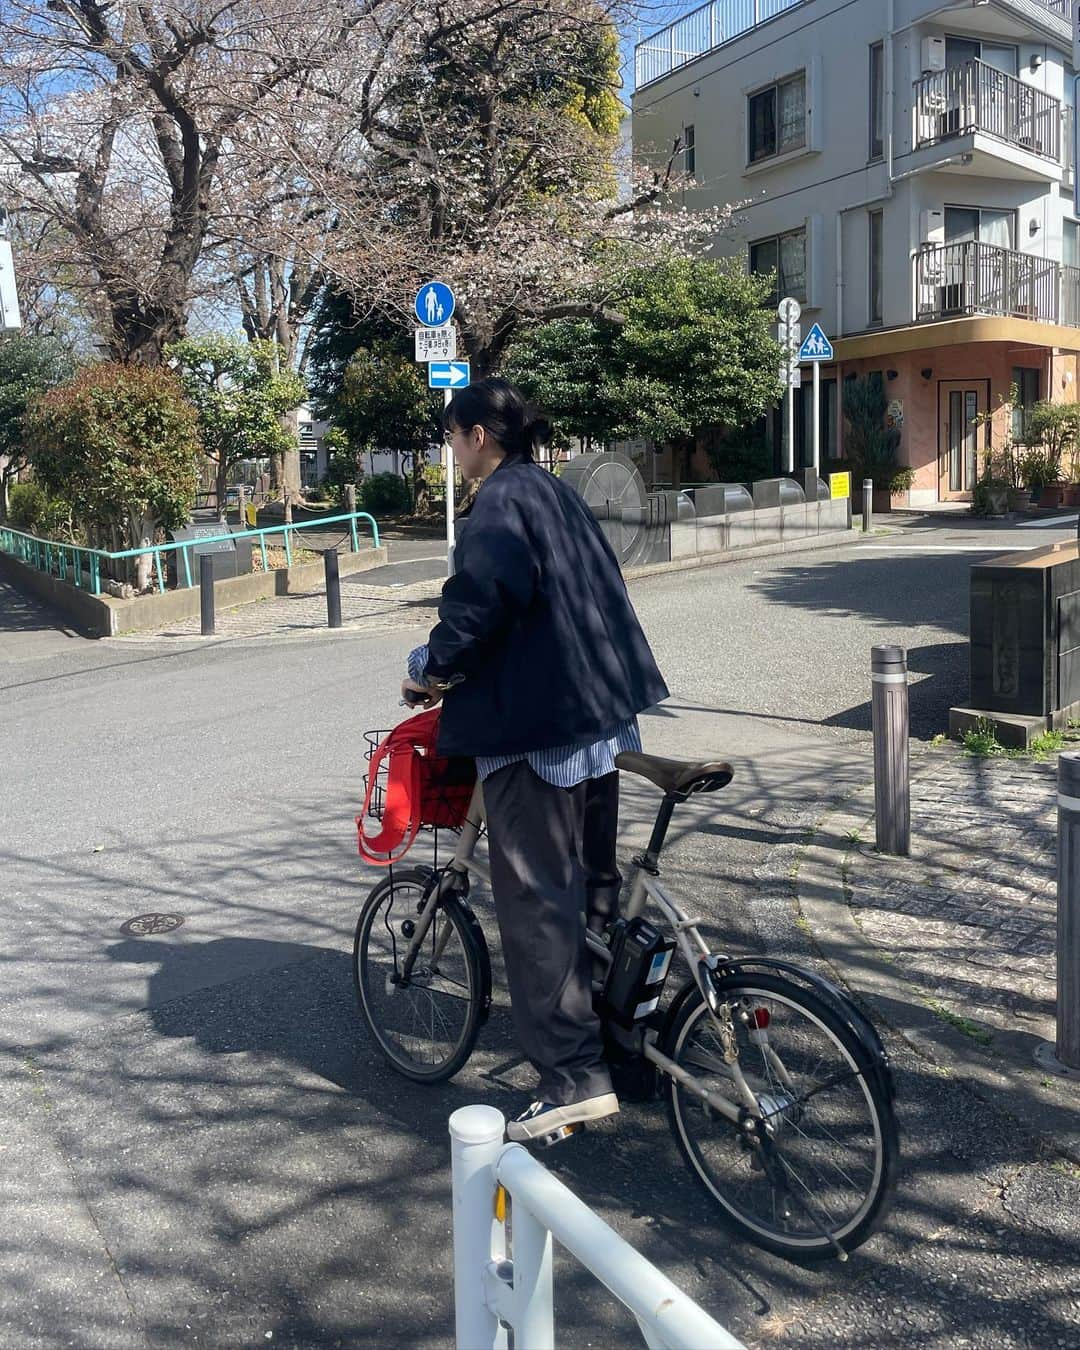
[816,346]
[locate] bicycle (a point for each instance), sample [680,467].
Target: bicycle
[778,1088]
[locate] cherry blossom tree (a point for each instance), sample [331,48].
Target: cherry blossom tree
[492,160]
[119,122]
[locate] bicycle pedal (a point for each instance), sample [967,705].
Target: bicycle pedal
[560,1135]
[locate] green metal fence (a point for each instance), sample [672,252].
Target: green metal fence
[81,567]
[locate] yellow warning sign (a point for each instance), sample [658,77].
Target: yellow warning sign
[839,486]
[251,515]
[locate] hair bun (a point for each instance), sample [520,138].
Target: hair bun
[536,431]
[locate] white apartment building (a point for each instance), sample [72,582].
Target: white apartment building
[907,170]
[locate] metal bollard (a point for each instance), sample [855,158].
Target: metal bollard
[867,503]
[1066,1060]
[333,587]
[476,1137]
[206,593]
[890,717]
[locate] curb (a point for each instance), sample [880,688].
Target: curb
[1003,1081]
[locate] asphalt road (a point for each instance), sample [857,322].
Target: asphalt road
[790,638]
[202,1147]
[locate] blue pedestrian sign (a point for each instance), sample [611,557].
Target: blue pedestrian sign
[447,374]
[816,346]
[434,304]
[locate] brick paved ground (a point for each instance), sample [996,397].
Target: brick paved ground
[364,608]
[970,917]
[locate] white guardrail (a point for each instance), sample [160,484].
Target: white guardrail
[493,1292]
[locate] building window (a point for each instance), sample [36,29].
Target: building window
[777,119]
[877,226]
[785,255]
[1002,56]
[877,100]
[689,158]
[1070,243]
[969,224]
[1026,381]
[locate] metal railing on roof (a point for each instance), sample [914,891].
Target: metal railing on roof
[699,32]
[720,21]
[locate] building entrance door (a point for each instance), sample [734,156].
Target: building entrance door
[961,440]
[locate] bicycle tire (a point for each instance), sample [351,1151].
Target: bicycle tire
[402,1019]
[857,1104]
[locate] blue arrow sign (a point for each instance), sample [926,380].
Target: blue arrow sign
[447,374]
[816,346]
[434,304]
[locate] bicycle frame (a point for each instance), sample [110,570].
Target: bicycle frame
[645,888]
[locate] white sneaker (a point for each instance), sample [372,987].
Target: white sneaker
[542,1119]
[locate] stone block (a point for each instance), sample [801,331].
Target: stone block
[1015,731]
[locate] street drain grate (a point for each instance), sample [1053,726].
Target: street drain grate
[145,924]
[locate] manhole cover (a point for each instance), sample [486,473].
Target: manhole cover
[144,924]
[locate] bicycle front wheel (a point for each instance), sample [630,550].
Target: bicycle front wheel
[425,1026]
[824,1179]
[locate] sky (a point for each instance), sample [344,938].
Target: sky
[651,16]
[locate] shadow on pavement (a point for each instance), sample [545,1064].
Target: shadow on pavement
[21,613]
[219,1152]
[875,589]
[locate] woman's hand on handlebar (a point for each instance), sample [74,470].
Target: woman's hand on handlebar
[415,695]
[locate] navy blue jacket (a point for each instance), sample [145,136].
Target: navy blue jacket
[538,623]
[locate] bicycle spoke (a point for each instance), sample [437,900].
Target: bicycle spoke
[823,1169]
[426,1022]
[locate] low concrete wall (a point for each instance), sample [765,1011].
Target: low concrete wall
[104,616]
[804,544]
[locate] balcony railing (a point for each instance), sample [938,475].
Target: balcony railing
[1064,8]
[699,32]
[977,97]
[976,278]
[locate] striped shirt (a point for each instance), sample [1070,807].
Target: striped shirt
[562,766]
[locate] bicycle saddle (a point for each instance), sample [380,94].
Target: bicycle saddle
[676,776]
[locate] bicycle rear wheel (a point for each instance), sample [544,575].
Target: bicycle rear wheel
[427,1027]
[823,1180]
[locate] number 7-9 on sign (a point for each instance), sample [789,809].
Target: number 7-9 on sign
[435,344]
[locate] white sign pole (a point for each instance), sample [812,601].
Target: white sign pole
[817,417]
[448,451]
[789,312]
[791,428]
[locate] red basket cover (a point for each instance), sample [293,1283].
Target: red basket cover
[422,788]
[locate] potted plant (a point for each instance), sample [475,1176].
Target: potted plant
[1035,473]
[871,446]
[1052,494]
[1053,430]
[999,487]
[902,481]
[990,495]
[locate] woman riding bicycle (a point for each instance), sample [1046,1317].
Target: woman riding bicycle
[542,668]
